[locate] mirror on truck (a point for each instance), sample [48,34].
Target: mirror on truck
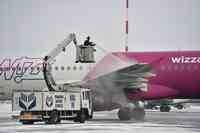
[85,54]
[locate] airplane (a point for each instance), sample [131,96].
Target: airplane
[172,75]
[165,104]
[121,80]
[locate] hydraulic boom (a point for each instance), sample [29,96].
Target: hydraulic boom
[84,54]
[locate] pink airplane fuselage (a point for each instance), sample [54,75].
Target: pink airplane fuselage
[177,73]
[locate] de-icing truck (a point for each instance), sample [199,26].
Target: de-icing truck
[61,101]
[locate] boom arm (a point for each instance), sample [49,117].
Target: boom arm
[84,54]
[61,47]
[51,84]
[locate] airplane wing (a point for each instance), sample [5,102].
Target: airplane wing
[131,77]
[114,75]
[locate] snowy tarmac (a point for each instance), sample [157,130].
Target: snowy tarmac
[185,121]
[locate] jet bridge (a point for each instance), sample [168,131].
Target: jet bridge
[84,54]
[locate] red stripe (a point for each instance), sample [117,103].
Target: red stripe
[126,26]
[127,4]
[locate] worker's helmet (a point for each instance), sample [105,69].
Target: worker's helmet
[88,37]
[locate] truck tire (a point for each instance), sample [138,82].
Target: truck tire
[54,118]
[81,116]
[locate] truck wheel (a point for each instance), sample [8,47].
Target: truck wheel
[54,117]
[59,121]
[76,119]
[82,117]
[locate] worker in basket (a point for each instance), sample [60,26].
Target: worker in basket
[85,52]
[87,42]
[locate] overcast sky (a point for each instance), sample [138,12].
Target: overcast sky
[32,27]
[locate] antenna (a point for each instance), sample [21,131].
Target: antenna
[126,26]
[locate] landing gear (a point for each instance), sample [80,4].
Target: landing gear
[179,106]
[138,114]
[165,108]
[124,113]
[127,113]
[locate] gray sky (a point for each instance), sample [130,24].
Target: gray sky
[32,27]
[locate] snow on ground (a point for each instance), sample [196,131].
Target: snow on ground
[185,121]
[94,127]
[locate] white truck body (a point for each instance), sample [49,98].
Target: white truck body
[37,101]
[39,105]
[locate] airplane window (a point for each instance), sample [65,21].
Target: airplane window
[32,68]
[68,68]
[62,68]
[56,68]
[12,69]
[19,68]
[74,67]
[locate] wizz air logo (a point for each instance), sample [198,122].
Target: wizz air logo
[27,101]
[185,60]
[18,68]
